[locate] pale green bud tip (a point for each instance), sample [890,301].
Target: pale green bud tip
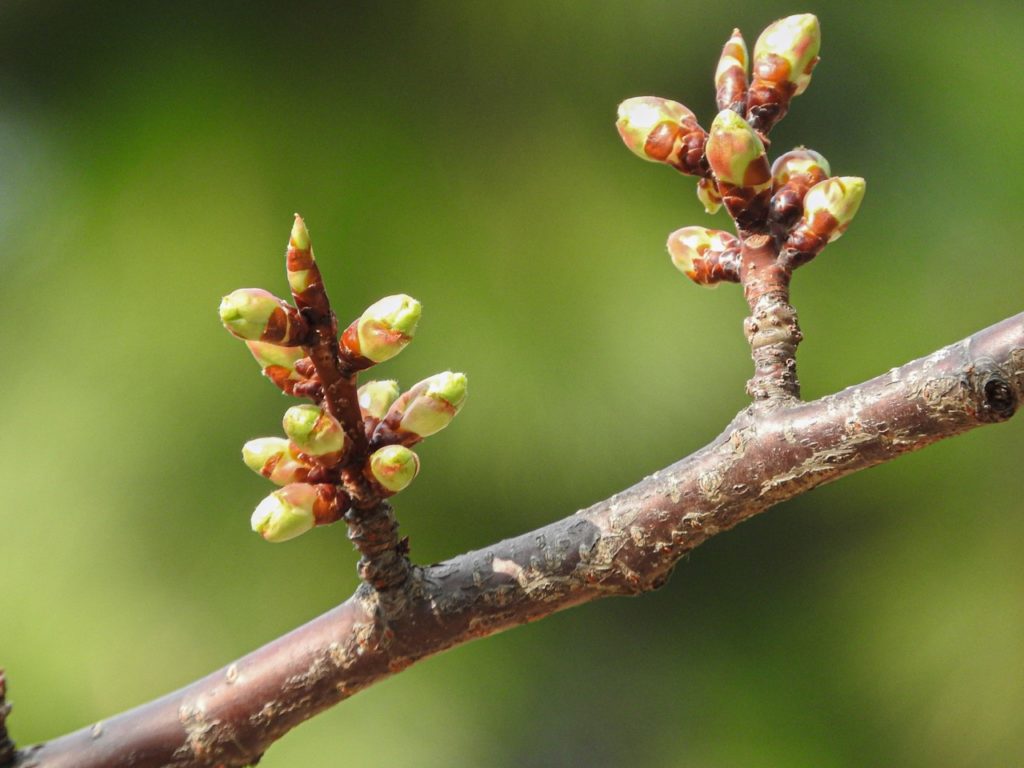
[442,396]
[375,397]
[798,161]
[256,453]
[387,326]
[286,513]
[394,467]
[300,235]
[794,39]
[245,312]
[313,430]
[838,198]
[448,386]
[736,153]
[640,116]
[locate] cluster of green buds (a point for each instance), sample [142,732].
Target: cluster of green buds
[352,446]
[794,201]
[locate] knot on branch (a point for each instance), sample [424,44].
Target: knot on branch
[384,564]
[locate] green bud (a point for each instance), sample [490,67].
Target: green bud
[272,457]
[731,73]
[830,205]
[640,117]
[433,403]
[303,272]
[709,196]
[736,153]
[662,131]
[706,256]
[375,397]
[394,467]
[257,315]
[314,431]
[799,162]
[386,327]
[286,513]
[787,51]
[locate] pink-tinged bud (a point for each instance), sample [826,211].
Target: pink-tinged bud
[706,256]
[272,457]
[792,175]
[294,509]
[784,56]
[257,315]
[278,363]
[303,274]
[833,200]
[394,467]
[376,397]
[736,153]
[829,207]
[314,432]
[709,196]
[731,75]
[384,329]
[435,405]
[787,51]
[286,513]
[663,131]
[737,157]
[799,162]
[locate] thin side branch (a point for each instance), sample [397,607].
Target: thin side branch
[771,452]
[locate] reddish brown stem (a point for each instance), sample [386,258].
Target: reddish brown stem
[621,546]
[772,328]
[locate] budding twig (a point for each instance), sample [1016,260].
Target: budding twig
[784,214]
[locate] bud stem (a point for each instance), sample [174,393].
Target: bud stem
[772,329]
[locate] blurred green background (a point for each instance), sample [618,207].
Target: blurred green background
[152,155]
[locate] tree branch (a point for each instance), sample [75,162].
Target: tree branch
[772,451]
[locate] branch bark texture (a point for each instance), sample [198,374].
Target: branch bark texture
[772,451]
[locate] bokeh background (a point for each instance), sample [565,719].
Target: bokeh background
[151,157]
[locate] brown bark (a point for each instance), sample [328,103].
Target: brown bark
[772,451]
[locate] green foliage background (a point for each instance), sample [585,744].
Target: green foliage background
[152,155]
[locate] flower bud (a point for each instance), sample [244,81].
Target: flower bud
[731,75]
[294,509]
[784,56]
[738,159]
[709,196]
[384,329]
[706,256]
[286,513]
[426,408]
[662,131]
[376,397]
[314,432]
[829,207]
[272,457]
[736,153]
[792,175]
[257,315]
[787,51]
[303,273]
[278,363]
[394,467]
[799,162]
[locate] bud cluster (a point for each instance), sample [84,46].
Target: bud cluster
[794,201]
[351,447]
